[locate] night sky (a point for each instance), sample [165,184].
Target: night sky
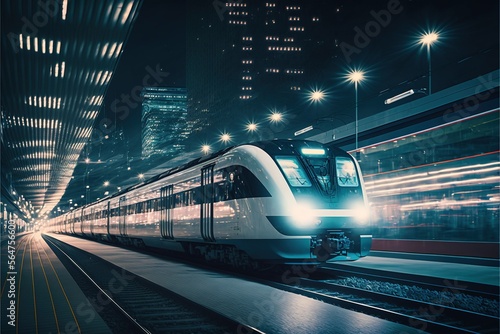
[468,47]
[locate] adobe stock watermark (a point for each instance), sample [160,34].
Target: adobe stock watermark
[452,116]
[372,29]
[30,28]
[221,7]
[264,309]
[433,311]
[121,107]
[87,310]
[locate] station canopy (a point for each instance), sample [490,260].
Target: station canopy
[57,60]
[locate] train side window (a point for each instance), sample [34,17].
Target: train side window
[197,195]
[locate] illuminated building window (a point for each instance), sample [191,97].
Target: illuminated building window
[272,70]
[294,71]
[296,28]
[247,48]
[235,4]
[284,48]
[315,19]
[247,38]
[294,87]
[270,4]
[293,18]
[247,61]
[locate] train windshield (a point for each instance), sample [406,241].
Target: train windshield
[293,171]
[329,171]
[346,172]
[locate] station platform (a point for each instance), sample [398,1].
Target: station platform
[452,269]
[262,307]
[39,295]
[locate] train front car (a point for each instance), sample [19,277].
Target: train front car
[319,203]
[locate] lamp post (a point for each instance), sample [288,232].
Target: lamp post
[428,39]
[356,76]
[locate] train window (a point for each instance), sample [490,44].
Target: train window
[323,171]
[293,171]
[346,172]
[178,200]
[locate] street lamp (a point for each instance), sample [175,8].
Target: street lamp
[275,117]
[316,95]
[356,76]
[225,138]
[205,148]
[251,127]
[428,39]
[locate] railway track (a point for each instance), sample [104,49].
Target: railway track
[131,304]
[436,316]
[148,305]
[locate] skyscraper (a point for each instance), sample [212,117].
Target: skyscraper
[246,58]
[164,126]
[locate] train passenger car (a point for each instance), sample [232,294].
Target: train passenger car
[274,201]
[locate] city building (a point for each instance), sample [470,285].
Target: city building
[246,59]
[164,127]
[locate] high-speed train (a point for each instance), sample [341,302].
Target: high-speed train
[279,201]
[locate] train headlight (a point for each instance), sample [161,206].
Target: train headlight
[303,215]
[361,214]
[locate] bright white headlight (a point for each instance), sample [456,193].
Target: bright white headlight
[361,214]
[303,215]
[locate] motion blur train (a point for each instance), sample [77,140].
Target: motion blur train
[279,201]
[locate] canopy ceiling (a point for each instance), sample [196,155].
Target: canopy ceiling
[57,60]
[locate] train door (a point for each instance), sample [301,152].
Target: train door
[83,219]
[92,220]
[166,221]
[207,203]
[72,223]
[122,226]
[108,214]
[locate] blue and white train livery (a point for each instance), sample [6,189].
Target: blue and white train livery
[279,201]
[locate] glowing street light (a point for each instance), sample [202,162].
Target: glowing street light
[205,148]
[316,95]
[141,176]
[276,116]
[225,137]
[356,76]
[106,183]
[428,39]
[251,127]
